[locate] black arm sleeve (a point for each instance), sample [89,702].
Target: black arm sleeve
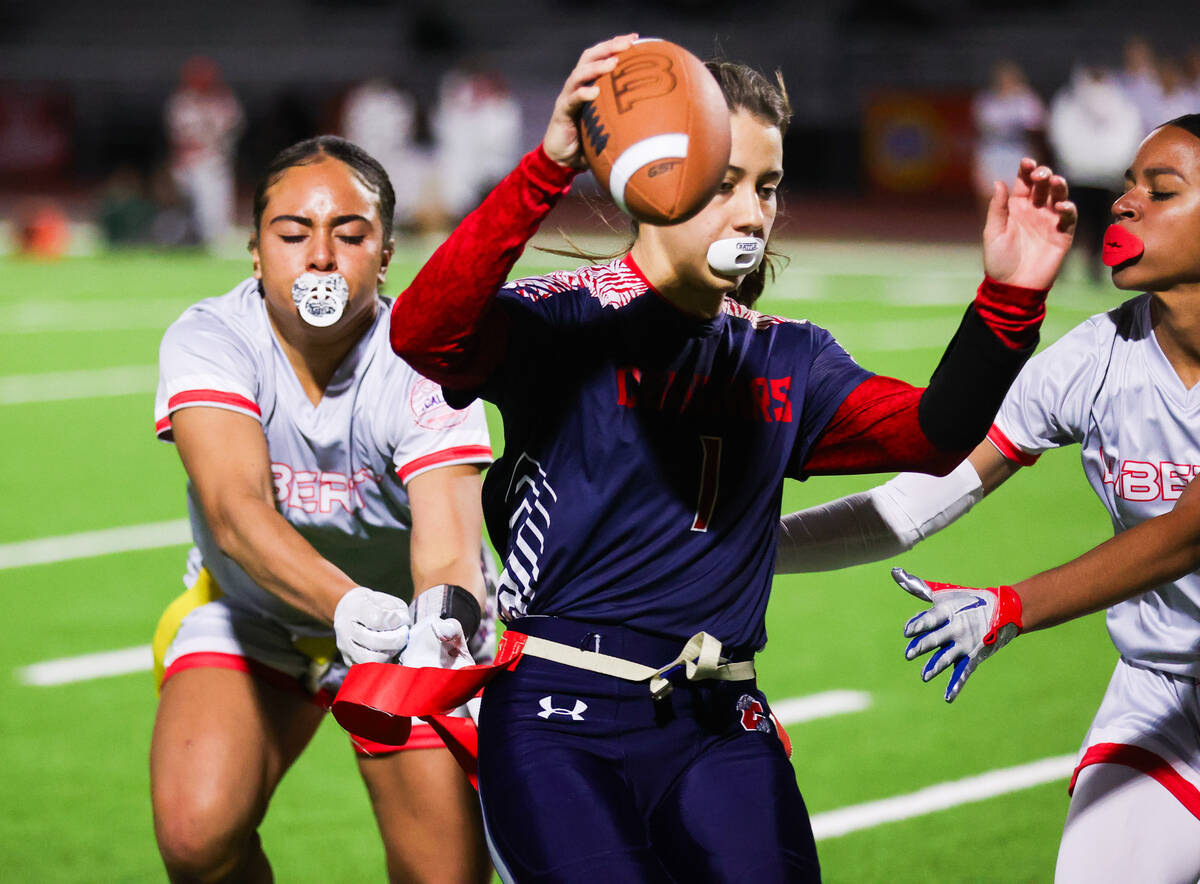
[969,384]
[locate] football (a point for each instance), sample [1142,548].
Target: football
[657,137]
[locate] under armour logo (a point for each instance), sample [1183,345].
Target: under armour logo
[548,709]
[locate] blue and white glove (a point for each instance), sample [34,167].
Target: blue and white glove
[443,619]
[966,626]
[370,626]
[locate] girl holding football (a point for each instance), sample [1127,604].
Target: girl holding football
[650,418]
[318,465]
[1122,385]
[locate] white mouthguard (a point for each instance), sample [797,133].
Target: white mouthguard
[321,300]
[736,256]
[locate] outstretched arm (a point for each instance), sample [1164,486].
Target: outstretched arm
[963,619]
[888,519]
[449,595]
[225,455]
[447,529]
[886,424]
[446,324]
[1154,552]
[227,460]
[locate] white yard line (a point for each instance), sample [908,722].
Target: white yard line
[823,705]
[831,824]
[52,386]
[942,796]
[47,550]
[37,316]
[87,667]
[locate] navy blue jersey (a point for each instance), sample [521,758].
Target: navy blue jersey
[645,452]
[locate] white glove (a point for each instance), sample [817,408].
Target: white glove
[370,626]
[966,625]
[438,636]
[437,642]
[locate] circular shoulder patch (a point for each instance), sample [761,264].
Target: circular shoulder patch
[429,407]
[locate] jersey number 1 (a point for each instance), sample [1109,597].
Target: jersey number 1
[710,475]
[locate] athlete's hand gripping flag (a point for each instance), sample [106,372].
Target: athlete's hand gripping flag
[444,617]
[438,643]
[966,626]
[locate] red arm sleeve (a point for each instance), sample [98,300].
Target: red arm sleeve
[886,425]
[876,430]
[446,324]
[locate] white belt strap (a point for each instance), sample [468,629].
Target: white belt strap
[700,658]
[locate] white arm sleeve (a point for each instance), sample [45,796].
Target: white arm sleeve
[877,524]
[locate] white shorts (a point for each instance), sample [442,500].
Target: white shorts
[1149,720]
[223,635]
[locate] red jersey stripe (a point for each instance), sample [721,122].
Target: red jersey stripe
[457,454]
[1010,451]
[261,671]
[190,397]
[1149,763]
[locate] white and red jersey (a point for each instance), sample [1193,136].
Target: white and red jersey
[202,126]
[1108,386]
[1004,123]
[340,467]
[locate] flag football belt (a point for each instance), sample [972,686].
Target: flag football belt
[700,660]
[377,700]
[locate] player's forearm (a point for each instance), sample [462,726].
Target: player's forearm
[1150,554]
[446,324]
[278,558]
[876,524]
[462,573]
[453,559]
[996,337]
[447,524]
[838,534]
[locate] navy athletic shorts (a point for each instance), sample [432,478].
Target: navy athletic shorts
[585,778]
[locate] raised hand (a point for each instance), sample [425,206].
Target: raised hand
[561,142]
[966,626]
[1029,228]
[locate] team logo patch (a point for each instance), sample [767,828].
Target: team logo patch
[549,709]
[429,407]
[754,716]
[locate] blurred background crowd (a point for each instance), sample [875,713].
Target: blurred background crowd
[142,123]
[1090,130]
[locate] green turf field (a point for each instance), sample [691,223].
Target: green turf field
[80,334]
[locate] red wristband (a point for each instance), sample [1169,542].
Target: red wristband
[1013,313]
[1008,611]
